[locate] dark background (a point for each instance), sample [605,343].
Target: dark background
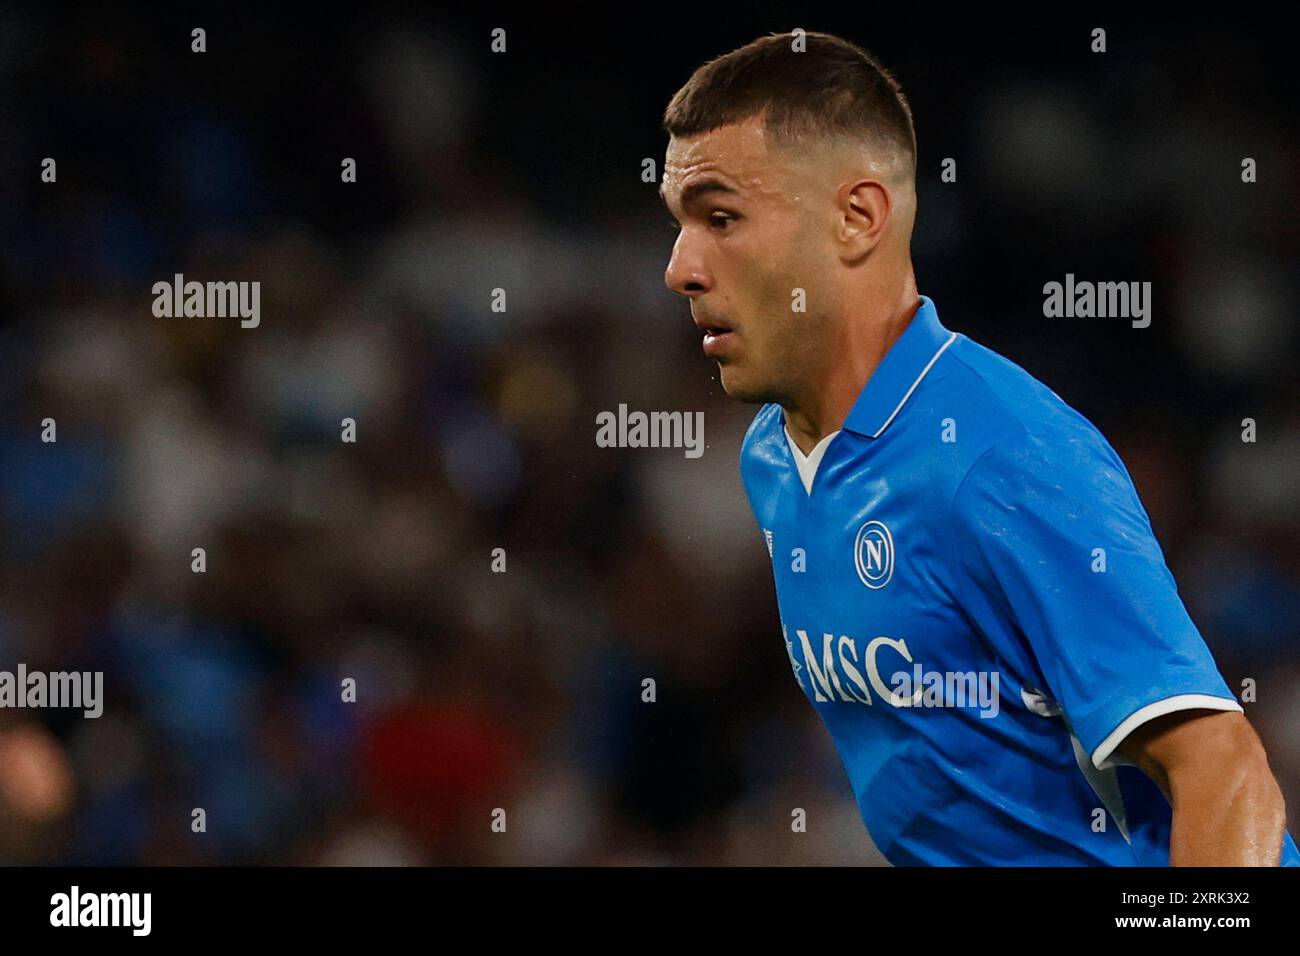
[476,430]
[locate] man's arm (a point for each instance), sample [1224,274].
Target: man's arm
[1111,641]
[1227,807]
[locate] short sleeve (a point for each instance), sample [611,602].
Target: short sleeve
[1051,546]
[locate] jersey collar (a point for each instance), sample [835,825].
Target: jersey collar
[899,372]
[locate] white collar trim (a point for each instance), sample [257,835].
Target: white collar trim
[908,394]
[807,465]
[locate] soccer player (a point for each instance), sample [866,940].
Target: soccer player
[970,590]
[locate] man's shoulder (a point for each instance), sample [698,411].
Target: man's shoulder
[995,390]
[1002,405]
[1019,428]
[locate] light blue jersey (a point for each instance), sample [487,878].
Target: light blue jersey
[973,599]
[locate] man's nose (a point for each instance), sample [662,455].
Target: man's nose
[686,274]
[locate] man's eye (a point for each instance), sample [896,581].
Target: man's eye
[721,220]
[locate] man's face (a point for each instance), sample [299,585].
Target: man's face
[754,225]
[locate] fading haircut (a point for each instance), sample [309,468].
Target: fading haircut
[832,90]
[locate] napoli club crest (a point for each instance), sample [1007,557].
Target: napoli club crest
[873,554]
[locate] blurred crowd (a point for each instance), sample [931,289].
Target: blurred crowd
[477,689]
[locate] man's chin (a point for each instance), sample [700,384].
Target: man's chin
[740,387]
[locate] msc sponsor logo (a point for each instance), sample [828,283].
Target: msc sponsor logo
[840,673]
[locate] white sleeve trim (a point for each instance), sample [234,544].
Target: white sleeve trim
[1101,757]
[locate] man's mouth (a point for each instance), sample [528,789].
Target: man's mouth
[712,327]
[716,337]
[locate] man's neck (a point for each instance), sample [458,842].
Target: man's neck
[851,364]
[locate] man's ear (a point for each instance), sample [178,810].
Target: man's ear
[865,206]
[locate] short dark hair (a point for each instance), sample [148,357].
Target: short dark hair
[832,89]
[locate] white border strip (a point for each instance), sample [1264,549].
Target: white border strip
[909,392]
[808,466]
[1101,757]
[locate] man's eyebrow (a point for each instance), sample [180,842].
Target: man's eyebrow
[699,189]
